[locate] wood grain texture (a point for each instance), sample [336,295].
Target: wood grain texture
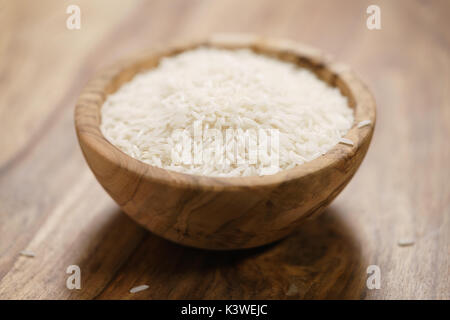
[51,204]
[223,213]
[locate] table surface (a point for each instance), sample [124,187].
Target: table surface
[51,204]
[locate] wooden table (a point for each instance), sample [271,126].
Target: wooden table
[51,204]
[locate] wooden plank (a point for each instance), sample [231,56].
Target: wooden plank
[51,204]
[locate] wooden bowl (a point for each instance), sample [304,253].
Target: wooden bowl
[223,213]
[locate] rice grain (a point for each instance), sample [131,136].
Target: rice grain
[139,288]
[225,89]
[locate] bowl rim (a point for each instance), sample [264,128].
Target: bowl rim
[109,79]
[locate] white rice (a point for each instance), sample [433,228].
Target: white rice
[364,123]
[406,242]
[27,253]
[346,141]
[139,288]
[225,89]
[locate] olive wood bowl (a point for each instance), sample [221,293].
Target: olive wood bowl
[223,213]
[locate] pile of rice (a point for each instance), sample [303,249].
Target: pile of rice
[225,89]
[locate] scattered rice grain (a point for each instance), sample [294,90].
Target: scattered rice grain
[139,288]
[346,141]
[406,242]
[364,123]
[26,253]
